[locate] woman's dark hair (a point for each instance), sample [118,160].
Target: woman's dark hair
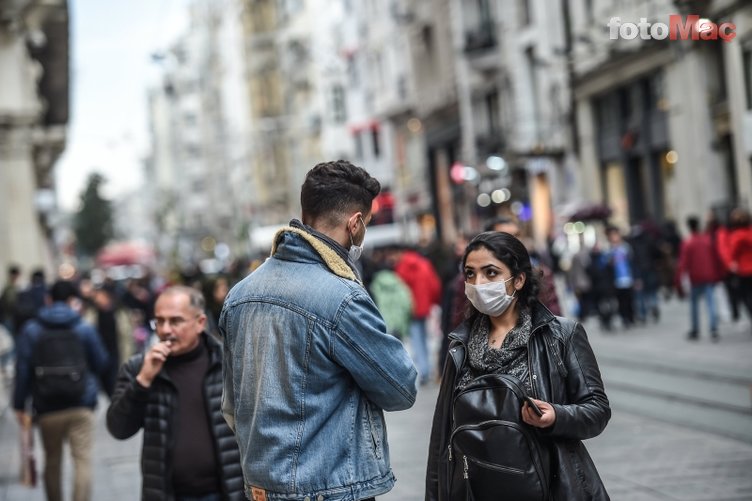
[510,251]
[332,189]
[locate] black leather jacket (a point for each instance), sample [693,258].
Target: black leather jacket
[134,407]
[564,372]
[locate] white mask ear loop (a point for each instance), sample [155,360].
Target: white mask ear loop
[356,250]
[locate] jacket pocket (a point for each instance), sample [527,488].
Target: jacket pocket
[374,428]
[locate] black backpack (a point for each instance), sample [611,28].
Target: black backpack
[493,454]
[59,367]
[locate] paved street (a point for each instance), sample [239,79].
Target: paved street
[681,426]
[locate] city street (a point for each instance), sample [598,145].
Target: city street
[681,426]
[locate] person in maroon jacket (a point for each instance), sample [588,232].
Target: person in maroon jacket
[424,283]
[697,259]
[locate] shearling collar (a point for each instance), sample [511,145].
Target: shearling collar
[331,258]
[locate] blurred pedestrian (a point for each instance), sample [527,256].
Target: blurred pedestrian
[510,347]
[9,296]
[698,260]
[112,324]
[8,299]
[215,291]
[669,244]
[31,299]
[425,286]
[740,243]
[647,255]
[621,257]
[720,234]
[173,393]
[580,282]
[393,298]
[453,301]
[601,273]
[309,365]
[59,361]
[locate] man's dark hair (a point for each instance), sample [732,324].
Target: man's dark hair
[693,223]
[332,189]
[14,270]
[63,290]
[37,276]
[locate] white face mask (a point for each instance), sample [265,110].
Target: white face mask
[490,298]
[357,250]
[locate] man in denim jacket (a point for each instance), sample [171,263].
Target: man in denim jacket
[309,366]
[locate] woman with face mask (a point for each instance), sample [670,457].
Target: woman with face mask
[548,360]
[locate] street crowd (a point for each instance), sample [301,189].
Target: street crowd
[270,381]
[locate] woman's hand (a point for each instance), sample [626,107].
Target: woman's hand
[530,417]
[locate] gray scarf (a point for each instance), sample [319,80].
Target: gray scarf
[510,358]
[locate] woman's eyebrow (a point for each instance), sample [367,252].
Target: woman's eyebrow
[484,267]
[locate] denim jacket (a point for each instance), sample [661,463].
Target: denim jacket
[309,369]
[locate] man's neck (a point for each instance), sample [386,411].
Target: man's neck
[339,235]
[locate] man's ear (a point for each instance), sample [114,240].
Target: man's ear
[354,222]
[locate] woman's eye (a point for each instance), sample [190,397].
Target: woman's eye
[468,274]
[491,273]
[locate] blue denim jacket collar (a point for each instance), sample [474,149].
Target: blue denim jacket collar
[327,252]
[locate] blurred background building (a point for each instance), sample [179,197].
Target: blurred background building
[463,109]
[34,86]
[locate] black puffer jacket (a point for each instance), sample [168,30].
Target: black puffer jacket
[564,373]
[134,407]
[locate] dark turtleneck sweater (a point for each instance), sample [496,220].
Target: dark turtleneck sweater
[193,456]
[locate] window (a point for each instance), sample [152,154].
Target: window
[524,12]
[338,105]
[747,62]
[589,11]
[426,36]
[352,70]
[358,145]
[492,108]
[375,138]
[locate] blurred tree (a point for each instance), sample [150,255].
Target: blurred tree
[93,221]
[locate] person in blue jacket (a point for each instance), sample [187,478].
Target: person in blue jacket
[309,364]
[61,418]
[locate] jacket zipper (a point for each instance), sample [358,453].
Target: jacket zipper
[497,467]
[533,376]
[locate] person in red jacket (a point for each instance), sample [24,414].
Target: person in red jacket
[697,259]
[424,283]
[720,234]
[740,254]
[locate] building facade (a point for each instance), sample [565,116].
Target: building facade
[34,101]
[663,123]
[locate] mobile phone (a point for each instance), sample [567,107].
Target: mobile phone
[534,406]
